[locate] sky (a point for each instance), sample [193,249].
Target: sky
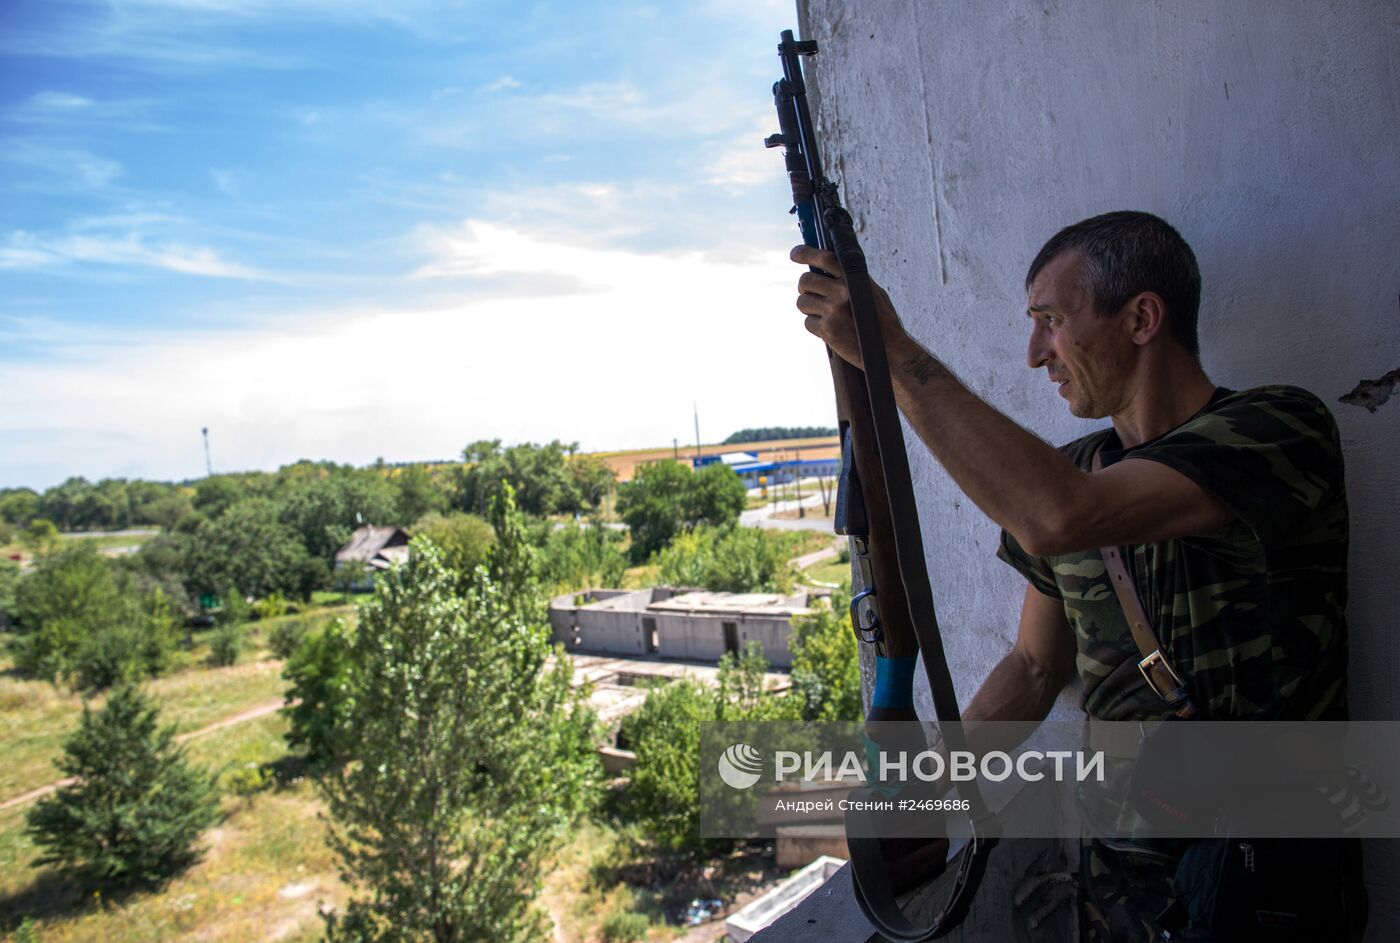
[353,229]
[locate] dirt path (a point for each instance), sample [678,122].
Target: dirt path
[252,713]
[817,556]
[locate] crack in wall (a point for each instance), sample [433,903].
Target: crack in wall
[1371,395]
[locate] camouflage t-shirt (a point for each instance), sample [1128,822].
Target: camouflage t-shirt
[1252,614]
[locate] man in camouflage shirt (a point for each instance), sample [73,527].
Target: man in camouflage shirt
[1231,507]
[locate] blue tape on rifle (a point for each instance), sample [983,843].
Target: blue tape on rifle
[894,682]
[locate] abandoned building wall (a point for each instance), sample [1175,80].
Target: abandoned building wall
[965,134]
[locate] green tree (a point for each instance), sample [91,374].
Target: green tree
[420,493]
[318,694]
[40,534]
[70,595]
[213,496]
[663,791]
[324,508]
[474,758]
[9,590]
[741,692]
[542,482]
[593,480]
[251,550]
[166,511]
[19,505]
[141,644]
[663,794]
[136,811]
[716,496]
[462,539]
[650,504]
[771,433]
[664,499]
[826,664]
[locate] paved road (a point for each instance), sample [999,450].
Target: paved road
[762,517]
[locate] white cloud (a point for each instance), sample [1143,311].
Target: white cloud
[58,101]
[745,162]
[503,83]
[60,167]
[24,250]
[616,363]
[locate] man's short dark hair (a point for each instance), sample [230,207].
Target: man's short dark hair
[1128,252]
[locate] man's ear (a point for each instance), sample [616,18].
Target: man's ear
[1146,317]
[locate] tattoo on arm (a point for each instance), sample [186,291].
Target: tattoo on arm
[923,367]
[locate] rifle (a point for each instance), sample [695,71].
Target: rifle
[875,509]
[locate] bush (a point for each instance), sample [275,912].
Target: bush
[226,645]
[286,636]
[233,608]
[581,557]
[273,606]
[108,657]
[735,560]
[137,809]
[625,927]
[248,779]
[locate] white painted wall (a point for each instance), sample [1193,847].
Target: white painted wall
[964,134]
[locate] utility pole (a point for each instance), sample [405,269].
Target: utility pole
[697,433]
[208,463]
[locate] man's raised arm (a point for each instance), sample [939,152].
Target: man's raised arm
[1020,482]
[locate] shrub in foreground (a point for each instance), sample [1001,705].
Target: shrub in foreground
[135,814]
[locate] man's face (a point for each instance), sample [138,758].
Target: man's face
[1086,354]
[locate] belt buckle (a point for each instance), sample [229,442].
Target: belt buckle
[1151,661]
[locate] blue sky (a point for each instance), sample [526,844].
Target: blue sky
[351,229]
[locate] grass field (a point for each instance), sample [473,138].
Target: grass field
[832,572]
[35,716]
[266,869]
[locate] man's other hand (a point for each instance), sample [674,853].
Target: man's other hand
[823,298]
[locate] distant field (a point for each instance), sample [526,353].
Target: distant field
[103,541]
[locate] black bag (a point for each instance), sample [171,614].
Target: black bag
[1274,890]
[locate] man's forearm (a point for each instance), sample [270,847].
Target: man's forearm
[1016,479]
[1014,691]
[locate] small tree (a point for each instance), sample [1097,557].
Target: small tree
[318,695]
[472,756]
[663,794]
[138,807]
[826,664]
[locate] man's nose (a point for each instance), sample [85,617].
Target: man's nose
[1038,351]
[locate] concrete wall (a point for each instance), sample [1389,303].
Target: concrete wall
[965,134]
[700,636]
[617,632]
